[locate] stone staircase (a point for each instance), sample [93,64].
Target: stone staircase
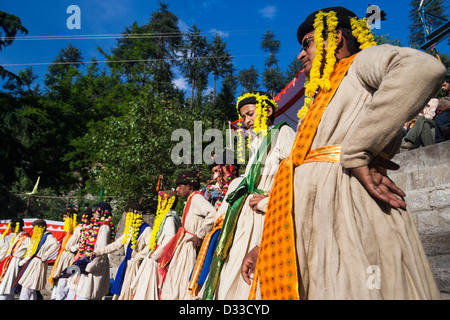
[424,175]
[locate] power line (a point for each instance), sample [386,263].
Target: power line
[132,60]
[131,35]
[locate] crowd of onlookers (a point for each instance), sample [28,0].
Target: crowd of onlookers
[430,126]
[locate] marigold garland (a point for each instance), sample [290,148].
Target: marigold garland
[362,32]
[8,227]
[133,224]
[89,231]
[165,203]
[38,232]
[16,232]
[70,223]
[314,82]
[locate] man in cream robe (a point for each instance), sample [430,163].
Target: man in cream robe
[198,220]
[94,282]
[354,237]
[231,285]
[146,284]
[137,254]
[34,278]
[17,248]
[66,255]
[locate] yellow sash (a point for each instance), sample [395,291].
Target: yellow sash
[276,268]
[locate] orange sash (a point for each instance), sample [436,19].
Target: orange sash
[276,268]
[61,250]
[5,263]
[170,248]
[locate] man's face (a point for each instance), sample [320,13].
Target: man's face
[308,52]
[217,174]
[183,191]
[446,87]
[248,114]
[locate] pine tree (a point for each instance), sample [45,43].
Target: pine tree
[273,78]
[416,29]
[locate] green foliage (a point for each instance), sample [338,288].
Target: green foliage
[127,153]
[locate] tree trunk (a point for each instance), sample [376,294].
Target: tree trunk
[192,92]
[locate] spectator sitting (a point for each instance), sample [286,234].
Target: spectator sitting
[442,118]
[420,133]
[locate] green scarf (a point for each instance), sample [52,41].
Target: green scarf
[236,199]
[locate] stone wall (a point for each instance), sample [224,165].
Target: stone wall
[424,175]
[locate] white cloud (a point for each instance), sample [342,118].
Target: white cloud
[222,34]
[268,12]
[180,83]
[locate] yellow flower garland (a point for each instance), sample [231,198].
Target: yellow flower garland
[133,223]
[8,227]
[70,223]
[260,124]
[164,206]
[313,82]
[38,232]
[240,146]
[16,231]
[360,31]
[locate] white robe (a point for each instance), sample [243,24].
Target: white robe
[137,255]
[231,285]
[95,284]
[199,221]
[349,245]
[145,284]
[6,286]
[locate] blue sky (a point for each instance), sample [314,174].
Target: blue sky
[240,23]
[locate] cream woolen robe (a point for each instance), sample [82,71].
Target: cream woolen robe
[231,285]
[346,241]
[6,286]
[145,284]
[137,255]
[66,257]
[95,284]
[199,221]
[35,276]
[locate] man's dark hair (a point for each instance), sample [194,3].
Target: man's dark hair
[353,46]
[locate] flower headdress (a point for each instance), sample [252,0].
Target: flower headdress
[16,231]
[261,100]
[190,177]
[316,81]
[70,222]
[90,228]
[165,203]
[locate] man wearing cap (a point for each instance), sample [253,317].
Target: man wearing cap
[243,223]
[33,275]
[442,117]
[180,253]
[9,266]
[336,227]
